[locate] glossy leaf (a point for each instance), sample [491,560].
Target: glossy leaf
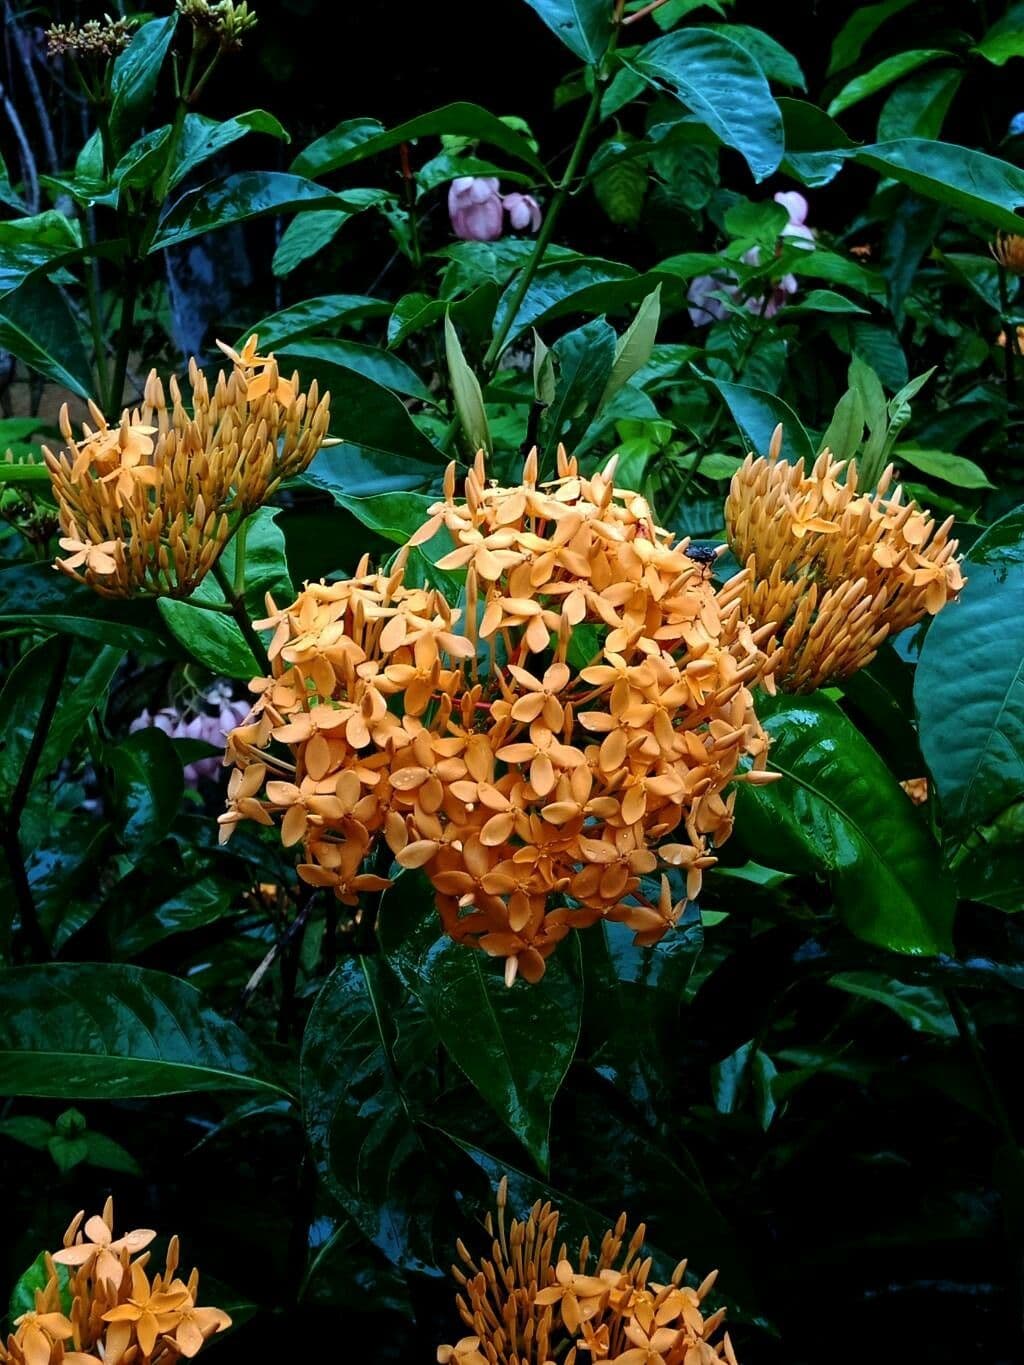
[816,146]
[202,138]
[584,26]
[840,813]
[723,86]
[1005,38]
[757,414]
[204,902]
[491,1031]
[33,595]
[251,194]
[941,464]
[971,676]
[581,284]
[885,73]
[310,232]
[359,138]
[922,1007]
[583,361]
[976,184]
[862,24]
[97,1031]
[634,348]
[148,786]
[321,357]
[313,315]
[134,77]
[918,107]
[364,1140]
[21,704]
[90,673]
[38,326]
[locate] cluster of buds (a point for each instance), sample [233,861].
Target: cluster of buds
[104,37]
[1008,250]
[147,506]
[223,20]
[837,571]
[110,1309]
[527,1304]
[532,751]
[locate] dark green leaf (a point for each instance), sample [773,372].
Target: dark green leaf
[723,86]
[978,185]
[584,360]
[33,595]
[205,901]
[21,704]
[313,315]
[251,194]
[360,138]
[777,62]
[757,414]
[581,284]
[100,1031]
[38,327]
[918,107]
[584,26]
[885,73]
[1005,39]
[816,146]
[310,232]
[322,356]
[971,677]
[840,813]
[364,1140]
[203,137]
[922,1007]
[941,464]
[23,1296]
[148,786]
[489,1030]
[466,393]
[858,29]
[135,74]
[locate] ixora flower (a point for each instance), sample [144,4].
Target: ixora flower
[148,505]
[837,571]
[527,1304]
[704,296]
[531,751]
[476,208]
[1008,249]
[116,1311]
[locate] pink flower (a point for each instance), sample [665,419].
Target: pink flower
[704,309]
[475,208]
[523,211]
[200,725]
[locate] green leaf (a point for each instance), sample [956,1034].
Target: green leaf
[489,1030]
[584,360]
[620,187]
[325,356]
[206,901]
[776,61]
[844,433]
[90,673]
[21,703]
[816,146]
[885,73]
[23,1296]
[723,86]
[323,313]
[971,677]
[839,812]
[392,515]
[1005,39]
[584,26]
[359,138]
[582,284]
[304,236]
[757,414]
[203,137]
[918,107]
[38,326]
[922,1007]
[466,392]
[134,77]
[252,194]
[382,449]
[106,1154]
[99,1031]
[858,29]
[954,469]
[978,185]
[33,595]
[211,637]
[634,348]
[148,787]
[365,1143]
[36,242]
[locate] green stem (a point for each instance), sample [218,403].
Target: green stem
[31,928]
[99,348]
[965,1028]
[239,576]
[547,229]
[238,611]
[129,298]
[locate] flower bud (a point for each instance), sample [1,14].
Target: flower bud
[475,208]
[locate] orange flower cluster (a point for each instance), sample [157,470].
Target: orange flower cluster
[530,751]
[525,1304]
[148,506]
[834,570]
[111,1310]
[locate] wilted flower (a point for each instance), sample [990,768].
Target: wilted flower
[148,505]
[917,789]
[523,211]
[528,1304]
[532,783]
[208,718]
[475,208]
[115,1311]
[220,19]
[1008,249]
[837,572]
[705,308]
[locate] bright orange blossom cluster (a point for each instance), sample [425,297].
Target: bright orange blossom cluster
[531,750]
